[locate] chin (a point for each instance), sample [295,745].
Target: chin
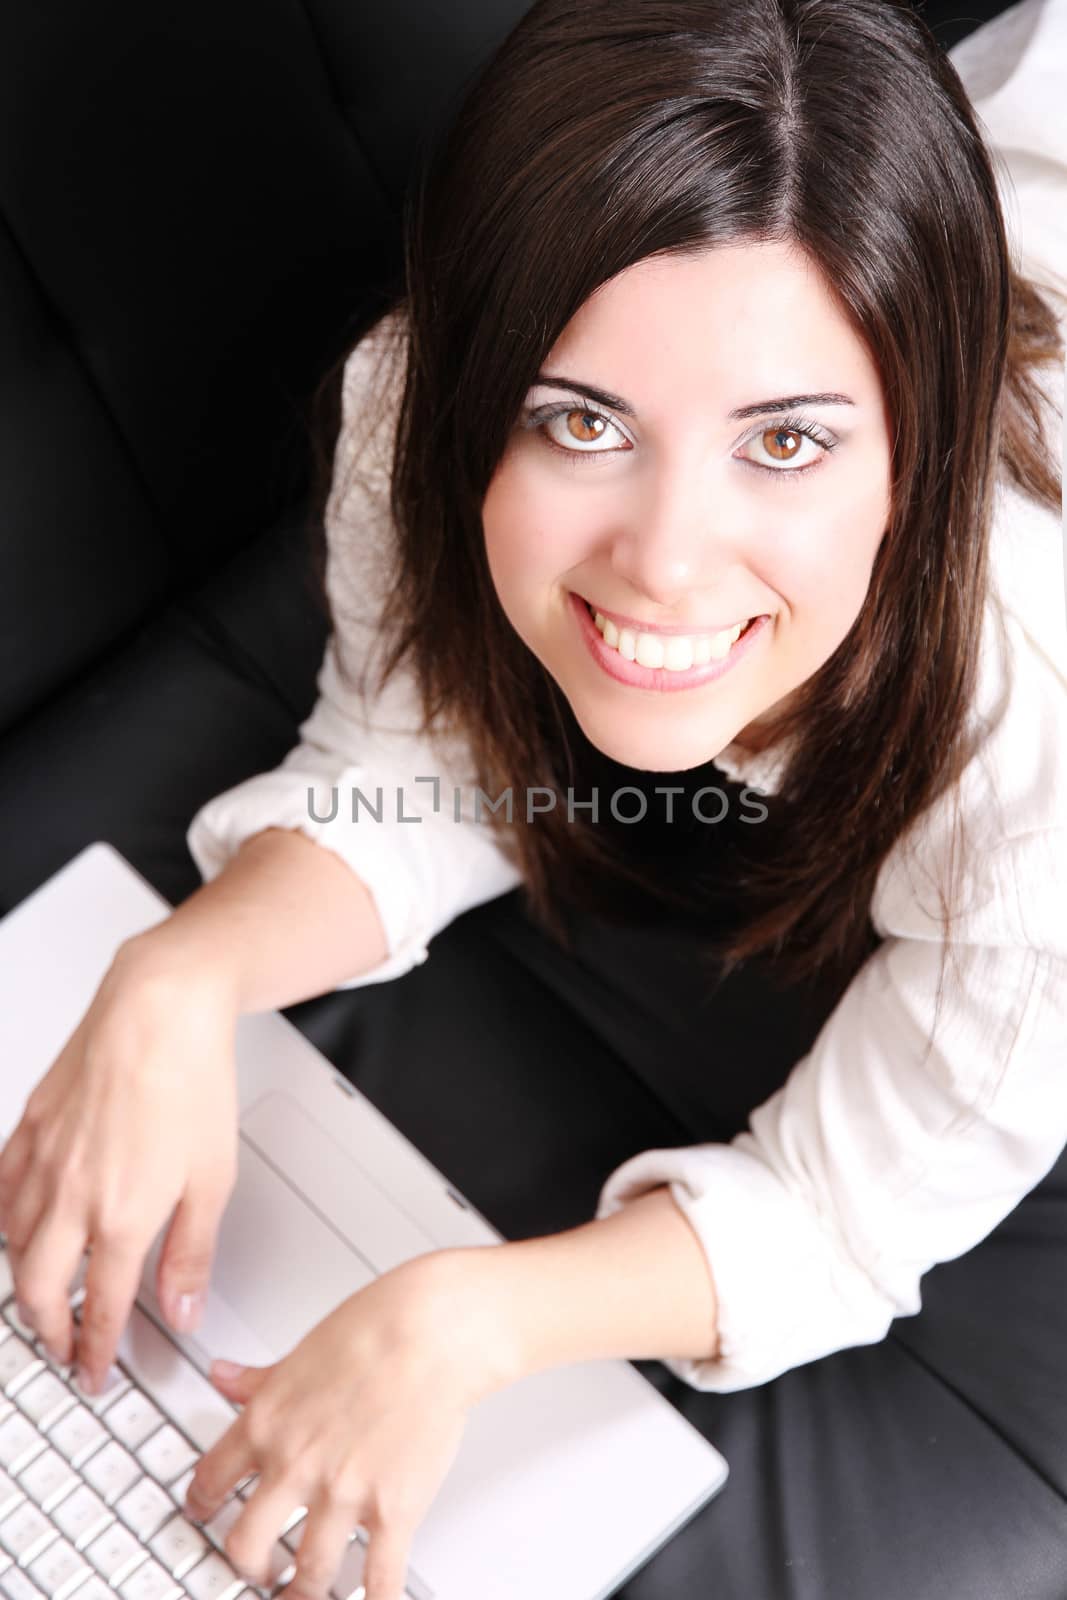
[651,749]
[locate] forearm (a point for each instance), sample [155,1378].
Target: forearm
[285,919]
[634,1285]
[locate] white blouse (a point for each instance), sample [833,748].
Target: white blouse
[873,1161]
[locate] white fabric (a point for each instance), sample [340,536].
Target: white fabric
[423,872]
[878,1157]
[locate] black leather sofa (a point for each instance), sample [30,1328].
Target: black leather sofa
[200,207]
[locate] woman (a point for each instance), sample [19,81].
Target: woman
[813,565]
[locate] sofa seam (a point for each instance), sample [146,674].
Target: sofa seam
[338,103]
[1015,1449]
[67,336]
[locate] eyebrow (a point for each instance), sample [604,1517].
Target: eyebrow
[757,408]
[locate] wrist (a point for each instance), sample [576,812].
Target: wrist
[460,1291]
[635,1285]
[165,961]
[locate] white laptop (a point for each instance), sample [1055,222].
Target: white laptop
[565,1483]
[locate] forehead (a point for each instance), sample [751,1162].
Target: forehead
[757,317]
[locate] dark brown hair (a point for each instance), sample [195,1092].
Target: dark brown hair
[603,133]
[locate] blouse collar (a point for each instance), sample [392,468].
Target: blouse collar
[763,769]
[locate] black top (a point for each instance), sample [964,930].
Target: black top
[645,974]
[694,828]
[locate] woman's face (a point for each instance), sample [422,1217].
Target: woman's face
[739,468]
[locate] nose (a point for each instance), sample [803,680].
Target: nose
[672,546]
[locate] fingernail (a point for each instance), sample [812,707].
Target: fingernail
[226,1369]
[84,1381]
[188,1310]
[23,1314]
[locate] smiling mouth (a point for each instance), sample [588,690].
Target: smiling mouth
[672,652]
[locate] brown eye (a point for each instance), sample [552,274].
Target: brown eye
[584,428]
[588,428]
[781,444]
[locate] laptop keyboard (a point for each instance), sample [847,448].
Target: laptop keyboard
[92,1486]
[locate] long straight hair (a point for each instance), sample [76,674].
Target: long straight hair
[604,133]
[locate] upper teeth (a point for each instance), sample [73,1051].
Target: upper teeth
[675,651]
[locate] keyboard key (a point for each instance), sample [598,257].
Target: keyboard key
[293,1531]
[10,1495]
[11,1316]
[44,1399]
[76,1434]
[166,1455]
[114,1553]
[15,1585]
[192,1403]
[81,1516]
[223,1520]
[59,1571]
[17,1361]
[12,1323]
[219,1527]
[349,1580]
[282,1564]
[115,1384]
[150,1582]
[218,1530]
[145,1508]
[47,1479]
[179,1546]
[213,1579]
[19,1442]
[60,1368]
[132,1418]
[26,1532]
[177,1490]
[111,1471]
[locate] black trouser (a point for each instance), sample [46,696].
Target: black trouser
[930,1466]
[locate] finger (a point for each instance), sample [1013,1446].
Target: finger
[47,1268]
[27,1203]
[250,1543]
[112,1279]
[230,1459]
[14,1255]
[387,1561]
[34,1204]
[188,1251]
[322,1547]
[13,1160]
[239,1383]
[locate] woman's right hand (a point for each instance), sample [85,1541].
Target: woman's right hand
[135,1119]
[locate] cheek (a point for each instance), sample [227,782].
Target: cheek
[530,535]
[822,567]
[502,527]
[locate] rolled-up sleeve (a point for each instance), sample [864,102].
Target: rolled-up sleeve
[398,806]
[422,866]
[879,1156]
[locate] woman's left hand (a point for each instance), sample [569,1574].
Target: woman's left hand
[360,1422]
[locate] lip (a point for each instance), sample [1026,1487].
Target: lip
[650,627]
[658,678]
